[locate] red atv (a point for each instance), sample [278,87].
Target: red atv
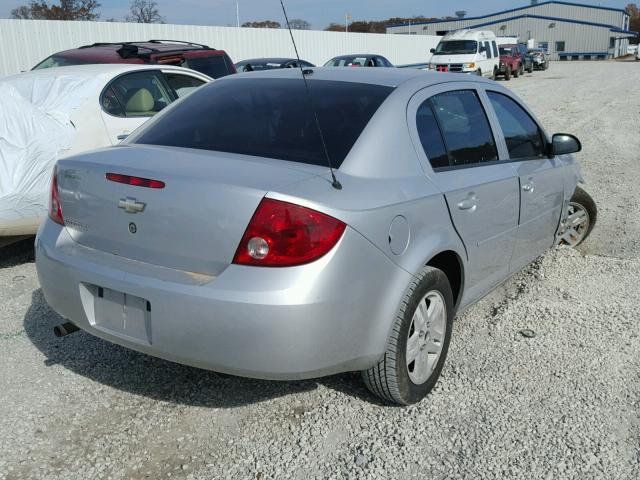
[511,62]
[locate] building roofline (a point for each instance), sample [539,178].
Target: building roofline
[555,19]
[509,11]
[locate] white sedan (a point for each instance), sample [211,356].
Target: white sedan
[50,114]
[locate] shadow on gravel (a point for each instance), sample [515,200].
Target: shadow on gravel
[118,367]
[17,253]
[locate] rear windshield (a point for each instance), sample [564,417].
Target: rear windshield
[58,61]
[350,62]
[457,47]
[258,65]
[269,117]
[215,67]
[506,51]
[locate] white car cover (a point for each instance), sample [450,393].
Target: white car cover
[35,130]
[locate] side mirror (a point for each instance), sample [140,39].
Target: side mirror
[564,143]
[483,49]
[433,50]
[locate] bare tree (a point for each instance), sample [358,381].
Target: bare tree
[263,24]
[66,10]
[299,24]
[634,21]
[144,11]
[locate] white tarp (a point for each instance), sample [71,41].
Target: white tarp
[35,130]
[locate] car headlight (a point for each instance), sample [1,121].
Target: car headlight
[469,65]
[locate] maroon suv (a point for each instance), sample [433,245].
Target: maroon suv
[511,61]
[212,62]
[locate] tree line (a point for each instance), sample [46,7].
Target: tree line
[146,11]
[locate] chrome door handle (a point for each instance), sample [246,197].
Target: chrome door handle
[122,136]
[528,187]
[469,204]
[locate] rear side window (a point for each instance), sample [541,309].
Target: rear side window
[269,117]
[465,128]
[430,136]
[215,67]
[183,84]
[521,133]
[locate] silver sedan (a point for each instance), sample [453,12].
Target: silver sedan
[217,236]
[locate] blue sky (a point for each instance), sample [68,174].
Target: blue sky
[318,12]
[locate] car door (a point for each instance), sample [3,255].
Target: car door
[481,192]
[540,178]
[131,99]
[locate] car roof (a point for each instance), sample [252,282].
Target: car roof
[99,69]
[109,50]
[352,55]
[384,76]
[269,59]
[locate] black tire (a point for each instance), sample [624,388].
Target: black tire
[507,73]
[516,74]
[530,69]
[494,77]
[583,199]
[389,378]
[479,72]
[545,66]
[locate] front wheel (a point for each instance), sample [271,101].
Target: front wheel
[581,218]
[418,344]
[495,74]
[516,74]
[507,73]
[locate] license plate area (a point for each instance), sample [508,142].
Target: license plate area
[118,313]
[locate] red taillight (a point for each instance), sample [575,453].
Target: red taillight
[55,209]
[135,181]
[282,234]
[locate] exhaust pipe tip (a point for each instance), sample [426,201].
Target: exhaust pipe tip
[64,329]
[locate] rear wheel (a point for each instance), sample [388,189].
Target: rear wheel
[580,220]
[507,73]
[495,74]
[418,344]
[530,69]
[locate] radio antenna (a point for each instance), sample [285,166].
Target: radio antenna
[334,183]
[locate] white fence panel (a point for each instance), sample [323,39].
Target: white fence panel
[27,42]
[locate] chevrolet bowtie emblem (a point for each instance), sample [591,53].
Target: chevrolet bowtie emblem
[131,205]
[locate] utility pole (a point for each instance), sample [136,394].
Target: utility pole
[347,17]
[238,14]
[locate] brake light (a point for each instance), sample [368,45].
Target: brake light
[55,208]
[135,181]
[282,234]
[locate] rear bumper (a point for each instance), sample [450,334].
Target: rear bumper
[330,316]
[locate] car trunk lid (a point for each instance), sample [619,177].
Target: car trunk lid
[194,223]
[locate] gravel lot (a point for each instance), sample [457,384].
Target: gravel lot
[565,404]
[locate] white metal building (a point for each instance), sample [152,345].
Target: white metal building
[27,42]
[568,31]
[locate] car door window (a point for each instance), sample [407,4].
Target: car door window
[465,128]
[431,137]
[487,46]
[495,48]
[140,94]
[183,84]
[522,134]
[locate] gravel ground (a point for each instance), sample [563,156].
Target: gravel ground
[564,404]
